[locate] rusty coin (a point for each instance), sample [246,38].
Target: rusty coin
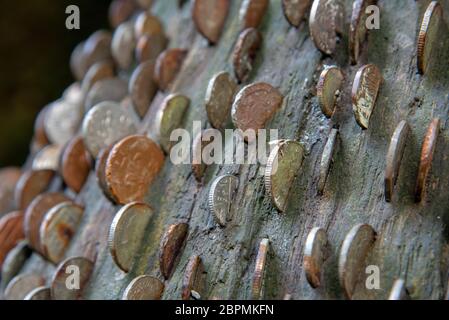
[31,184]
[98,71]
[209,17]
[328,89]
[40,293]
[245,51]
[252,12]
[142,87]
[315,255]
[110,89]
[75,164]
[47,158]
[123,45]
[428,33]
[168,64]
[399,291]
[11,233]
[326,159]
[150,47]
[20,286]
[257,287]
[221,197]
[295,10]
[14,261]
[144,288]
[219,97]
[170,247]
[9,178]
[200,159]
[120,11]
[147,24]
[357,27]
[194,279]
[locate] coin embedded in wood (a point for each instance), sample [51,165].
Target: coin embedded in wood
[428,34]
[14,261]
[22,285]
[194,278]
[328,89]
[120,11]
[75,164]
[144,288]
[98,71]
[62,121]
[123,45]
[314,256]
[100,168]
[283,166]
[364,93]
[127,232]
[357,27]
[31,184]
[97,47]
[221,196]
[110,89]
[199,158]
[47,158]
[427,151]
[147,24]
[245,52]
[171,245]
[326,159]
[394,157]
[40,293]
[11,233]
[150,47]
[78,64]
[219,97]
[252,12]
[399,291]
[354,250]
[40,138]
[168,64]
[62,287]
[295,10]
[142,87]
[209,17]
[257,287]
[9,178]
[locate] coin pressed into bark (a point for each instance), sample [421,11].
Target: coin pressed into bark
[78,64]
[199,157]
[62,121]
[62,287]
[219,96]
[97,47]
[427,151]
[209,17]
[428,34]
[142,87]
[144,288]
[31,184]
[9,178]
[357,27]
[98,71]
[127,232]
[245,51]
[295,10]
[394,157]
[326,159]
[328,89]
[314,256]
[40,138]
[11,233]
[120,11]
[364,93]
[123,45]
[171,245]
[100,169]
[150,47]
[147,24]
[354,250]
[57,229]
[221,197]
[111,89]
[283,166]
[20,286]
[168,64]
[14,261]
[252,12]
[75,164]
[194,278]
[257,287]
[40,293]
[399,291]
[47,158]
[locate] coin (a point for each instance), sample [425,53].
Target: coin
[169,118]
[194,278]
[364,93]
[315,255]
[221,197]
[427,151]
[171,245]
[127,233]
[40,293]
[31,184]
[199,158]
[97,47]
[328,88]
[209,17]
[123,45]
[219,96]
[47,158]
[168,64]
[150,47]
[142,87]
[9,178]
[283,165]
[399,291]
[111,89]
[40,138]
[353,253]
[73,94]
[75,164]
[295,10]
[257,286]
[145,4]
[428,33]
[57,229]
[120,11]
[357,27]
[104,124]
[394,157]
[144,288]
[78,64]
[245,51]
[14,261]
[20,286]
[147,24]
[326,159]
[252,12]
[63,286]
[98,71]
[100,168]
[255,105]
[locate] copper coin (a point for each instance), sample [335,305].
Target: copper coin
[357,28]
[75,164]
[257,286]
[100,168]
[9,178]
[209,17]
[245,51]
[31,184]
[427,151]
[221,197]
[255,105]
[62,121]
[132,165]
[328,89]
[147,24]
[364,93]
[40,293]
[22,285]
[168,64]
[97,47]
[394,157]
[65,288]
[199,157]
[314,256]
[98,71]
[428,33]
[252,12]
[11,233]
[47,158]
[295,10]
[57,229]
[219,97]
[399,291]
[14,261]
[111,89]
[142,87]
[171,245]
[40,137]
[144,288]
[194,278]
[120,11]
[150,47]
[326,159]
[35,213]
[123,45]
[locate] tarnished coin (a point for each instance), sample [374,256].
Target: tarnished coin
[428,33]
[9,178]
[427,151]
[144,288]
[147,24]
[57,229]
[364,93]
[295,10]
[132,165]
[150,47]
[120,11]
[142,87]
[283,166]
[62,121]
[325,23]
[171,245]
[169,118]
[75,164]
[314,256]
[123,45]
[40,138]
[399,291]
[357,27]
[40,293]
[97,47]
[354,250]
[328,89]
[127,232]
[326,159]
[209,17]
[100,169]
[257,287]
[78,64]
[245,51]
[168,64]
[200,159]
[98,71]
[63,286]
[219,96]
[73,94]
[221,197]
[14,261]
[31,184]
[252,12]
[20,286]
[47,158]
[111,89]
[394,157]
[104,124]
[194,279]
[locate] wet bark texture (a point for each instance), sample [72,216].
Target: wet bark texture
[411,238]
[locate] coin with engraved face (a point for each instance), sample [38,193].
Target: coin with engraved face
[171,245]
[428,34]
[245,51]
[209,17]
[328,88]
[144,288]
[295,10]
[314,256]
[221,197]
[219,97]
[20,286]
[252,12]
[168,64]
[142,87]
[258,281]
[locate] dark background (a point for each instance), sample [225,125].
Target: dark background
[35,49]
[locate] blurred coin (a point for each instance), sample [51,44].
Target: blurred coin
[75,164]
[295,10]
[199,161]
[112,89]
[314,256]
[14,261]
[142,87]
[168,64]
[40,138]
[252,12]
[245,51]
[97,47]
[221,196]
[399,291]
[123,45]
[78,63]
[357,28]
[47,158]
[258,280]
[150,47]
[147,24]
[100,170]
[98,71]
[171,245]
[219,96]
[11,233]
[120,11]
[62,121]
[9,178]
[40,293]
[326,159]
[209,17]
[328,88]
[194,278]
[144,288]
[31,184]
[22,285]
[428,34]
[145,4]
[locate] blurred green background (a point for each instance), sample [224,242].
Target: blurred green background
[35,49]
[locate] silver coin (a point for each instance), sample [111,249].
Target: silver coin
[221,195]
[40,293]
[123,45]
[112,89]
[14,262]
[62,120]
[399,291]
